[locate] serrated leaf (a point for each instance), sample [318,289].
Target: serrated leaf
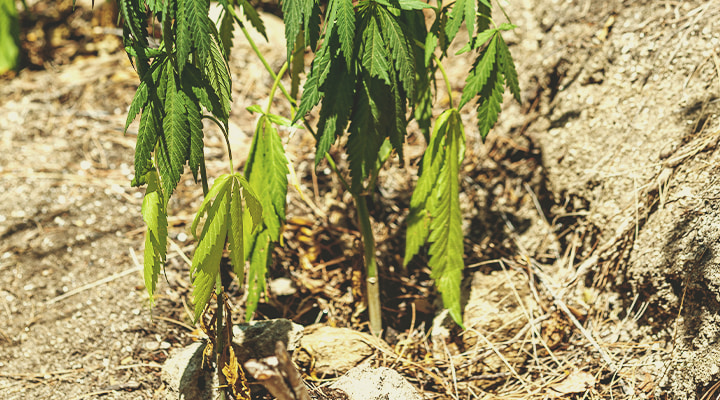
[346,28]
[292,17]
[195,31]
[374,54]
[138,102]
[254,17]
[455,18]
[478,77]
[413,5]
[266,171]
[507,68]
[336,107]
[419,218]
[194,115]
[446,237]
[478,41]
[399,46]
[176,134]
[489,104]
[218,77]
[311,90]
[150,121]
[259,259]
[235,233]
[134,18]
[153,212]
[225,32]
[206,260]
[364,141]
[220,183]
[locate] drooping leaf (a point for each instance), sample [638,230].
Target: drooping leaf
[262,247]
[154,215]
[225,32]
[311,90]
[374,53]
[292,17]
[194,115]
[418,221]
[489,103]
[195,31]
[364,140]
[218,77]
[507,68]
[254,17]
[217,186]
[176,133]
[206,260]
[399,45]
[478,77]
[266,171]
[148,131]
[134,17]
[336,107]
[446,236]
[346,28]
[235,232]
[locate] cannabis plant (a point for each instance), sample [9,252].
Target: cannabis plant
[374,68]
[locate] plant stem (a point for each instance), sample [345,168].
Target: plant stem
[274,87]
[262,58]
[447,81]
[220,335]
[372,282]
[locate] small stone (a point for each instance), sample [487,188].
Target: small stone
[367,383]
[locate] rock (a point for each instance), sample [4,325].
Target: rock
[185,377]
[333,351]
[257,339]
[367,383]
[183,371]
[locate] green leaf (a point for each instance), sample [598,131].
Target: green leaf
[455,18]
[134,18]
[413,4]
[195,31]
[220,183]
[176,134]
[336,108]
[154,215]
[266,171]
[206,260]
[478,77]
[218,77]
[364,141]
[235,233]
[292,16]
[259,260]
[252,15]
[507,67]
[194,118]
[446,236]
[490,102]
[346,28]
[150,122]
[9,36]
[399,45]
[225,32]
[311,90]
[374,54]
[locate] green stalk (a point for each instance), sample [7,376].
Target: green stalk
[220,335]
[371,275]
[447,81]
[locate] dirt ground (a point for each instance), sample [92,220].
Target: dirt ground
[590,237]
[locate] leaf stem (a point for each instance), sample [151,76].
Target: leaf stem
[274,87]
[445,78]
[203,177]
[262,58]
[334,167]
